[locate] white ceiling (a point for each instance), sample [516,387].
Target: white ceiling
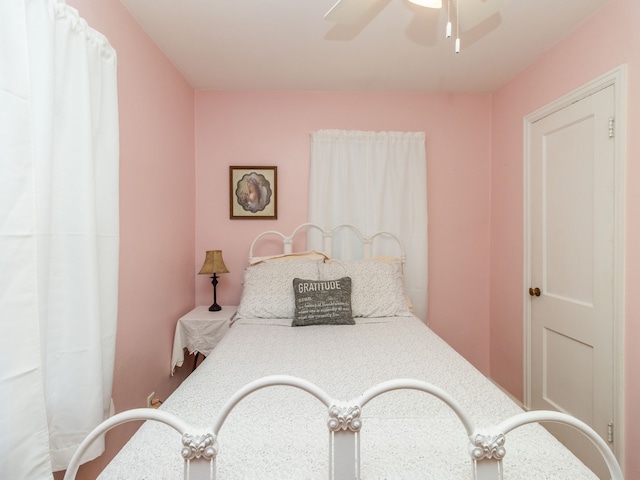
[287,44]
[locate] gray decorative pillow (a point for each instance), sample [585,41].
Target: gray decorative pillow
[326,302]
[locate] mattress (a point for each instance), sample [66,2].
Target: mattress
[281,432]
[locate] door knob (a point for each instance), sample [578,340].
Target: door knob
[534,292]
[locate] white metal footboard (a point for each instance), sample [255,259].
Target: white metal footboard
[486,447]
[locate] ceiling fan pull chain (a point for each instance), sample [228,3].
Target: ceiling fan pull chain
[457,26]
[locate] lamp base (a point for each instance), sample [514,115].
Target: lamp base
[215,307]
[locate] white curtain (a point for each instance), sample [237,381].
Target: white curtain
[376,181]
[59,234]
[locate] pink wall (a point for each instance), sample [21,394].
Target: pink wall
[157,216]
[272,128]
[607,40]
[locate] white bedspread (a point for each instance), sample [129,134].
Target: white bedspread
[281,433]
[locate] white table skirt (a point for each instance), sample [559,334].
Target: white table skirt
[199,331]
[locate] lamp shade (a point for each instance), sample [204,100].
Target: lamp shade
[213,263]
[428,3]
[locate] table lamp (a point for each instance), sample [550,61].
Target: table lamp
[213,264]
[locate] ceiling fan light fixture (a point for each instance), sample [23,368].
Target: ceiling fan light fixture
[428,3]
[448,30]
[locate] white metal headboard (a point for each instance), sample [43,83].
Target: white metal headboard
[327,236]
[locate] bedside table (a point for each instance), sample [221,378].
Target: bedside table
[199,331]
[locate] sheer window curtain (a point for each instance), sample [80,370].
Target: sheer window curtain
[59,234]
[376,181]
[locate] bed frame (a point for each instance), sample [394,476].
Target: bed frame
[327,239]
[486,447]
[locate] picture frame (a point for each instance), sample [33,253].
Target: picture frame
[253,192]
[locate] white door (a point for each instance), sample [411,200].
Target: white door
[572,213]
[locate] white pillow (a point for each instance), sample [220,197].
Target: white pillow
[377,287]
[268,287]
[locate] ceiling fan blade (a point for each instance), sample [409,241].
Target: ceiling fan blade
[349,11]
[474,12]
[428,3]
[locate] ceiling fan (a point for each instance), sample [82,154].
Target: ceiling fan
[469,12]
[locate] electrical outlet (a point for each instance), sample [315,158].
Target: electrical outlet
[150,399]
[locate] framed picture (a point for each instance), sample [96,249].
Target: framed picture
[253,192]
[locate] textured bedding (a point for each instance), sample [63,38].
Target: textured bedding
[281,433]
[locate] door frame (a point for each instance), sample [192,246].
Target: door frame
[617,78]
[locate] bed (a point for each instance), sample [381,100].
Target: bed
[358,388]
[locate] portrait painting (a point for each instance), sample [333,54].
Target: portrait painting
[253,192]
